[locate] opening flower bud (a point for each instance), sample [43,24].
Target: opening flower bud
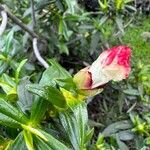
[112,64]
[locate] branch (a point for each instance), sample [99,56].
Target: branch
[4,22]
[37,54]
[33,13]
[19,22]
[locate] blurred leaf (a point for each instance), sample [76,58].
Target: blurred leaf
[63,31]
[115,127]
[63,48]
[126,135]
[119,22]
[3,67]
[72,5]
[27,12]
[131,92]
[5,145]
[43,3]
[8,43]
[95,38]
[17,73]
[2,139]
[75,17]
[121,144]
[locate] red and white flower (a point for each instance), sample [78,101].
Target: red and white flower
[112,64]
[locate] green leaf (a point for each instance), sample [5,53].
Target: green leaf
[115,127]
[119,22]
[125,135]
[75,124]
[3,67]
[34,131]
[61,72]
[18,143]
[49,77]
[12,112]
[54,72]
[52,142]
[131,92]
[95,38]
[6,144]
[9,80]
[28,140]
[76,17]
[65,32]
[89,135]
[7,121]
[41,145]
[8,42]
[9,87]
[46,138]
[2,139]
[25,98]
[17,73]
[67,84]
[38,110]
[72,5]
[49,93]
[121,144]
[6,87]
[43,3]
[63,48]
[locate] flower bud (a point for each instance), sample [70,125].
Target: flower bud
[112,64]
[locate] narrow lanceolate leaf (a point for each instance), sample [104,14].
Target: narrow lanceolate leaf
[8,79]
[12,112]
[116,127]
[40,144]
[39,107]
[19,69]
[55,71]
[34,131]
[52,142]
[75,124]
[28,140]
[49,93]
[47,139]
[7,121]
[119,22]
[24,96]
[121,144]
[18,143]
